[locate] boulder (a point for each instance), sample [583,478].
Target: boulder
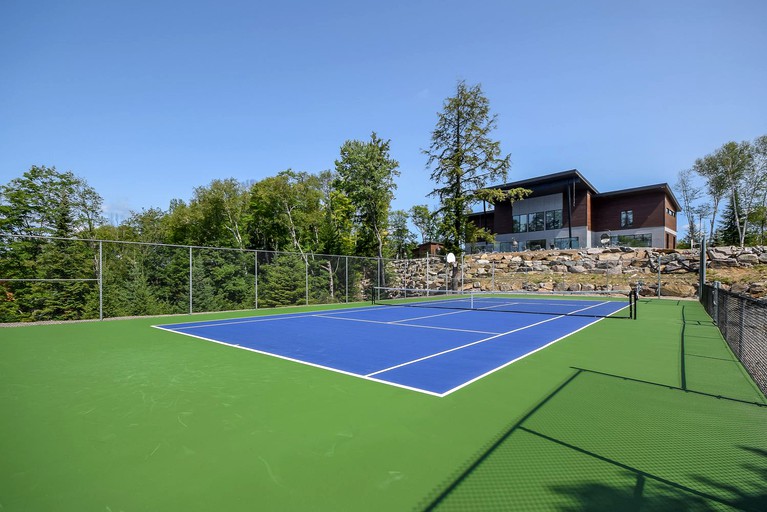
[748,259]
[739,288]
[677,290]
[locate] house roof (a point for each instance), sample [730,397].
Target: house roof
[563,178]
[573,175]
[649,188]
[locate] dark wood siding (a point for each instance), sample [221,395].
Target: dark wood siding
[670,219]
[580,209]
[649,210]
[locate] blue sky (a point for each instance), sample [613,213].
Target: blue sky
[147,100]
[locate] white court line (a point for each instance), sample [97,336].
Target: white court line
[430,316]
[264,318]
[307,363]
[504,365]
[404,325]
[476,342]
[369,377]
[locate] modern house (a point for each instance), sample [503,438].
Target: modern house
[566,211]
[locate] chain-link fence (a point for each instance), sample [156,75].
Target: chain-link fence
[48,278]
[52,279]
[743,323]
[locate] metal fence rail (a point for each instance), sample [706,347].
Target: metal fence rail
[743,323]
[45,278]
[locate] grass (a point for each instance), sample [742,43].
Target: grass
[117,415]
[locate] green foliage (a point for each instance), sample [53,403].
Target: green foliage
[401,240]
[366,175]
[282,281]
[426,221]
[737,171]
[45,202]
[463,160]
[285,212]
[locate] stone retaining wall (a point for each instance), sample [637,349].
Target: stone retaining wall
[582,269]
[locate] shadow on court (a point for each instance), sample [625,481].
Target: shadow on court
[602,442]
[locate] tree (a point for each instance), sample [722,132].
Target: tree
[463,160]
[759,155]
[45,203]
[336,234]
[217,213]
[426,221]
[366,176]
[728,232]
[716,185]
[285,212]
[735,161]
[32,204]
[689,193]
[402,240]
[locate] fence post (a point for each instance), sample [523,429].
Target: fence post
[427,275]
[702,270]
[347,278]
[463,261]
[659,276]
[255,277]
[742,305]
[716,303]
[492,275]
[190,279]
[101,282]
[306,268]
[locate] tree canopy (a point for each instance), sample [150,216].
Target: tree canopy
[464,160]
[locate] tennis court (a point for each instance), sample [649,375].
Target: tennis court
[593,413]
[414,347]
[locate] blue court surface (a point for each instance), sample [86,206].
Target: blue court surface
[427,350]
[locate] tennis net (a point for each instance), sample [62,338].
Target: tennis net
[596,304]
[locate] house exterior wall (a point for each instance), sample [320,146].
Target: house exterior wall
[649,210]
[587,214]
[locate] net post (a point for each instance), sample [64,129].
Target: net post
[634,301]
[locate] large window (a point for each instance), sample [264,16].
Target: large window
[519,223]
[567,243]
[627,218]
[554,219]
[643,240]
[536,222]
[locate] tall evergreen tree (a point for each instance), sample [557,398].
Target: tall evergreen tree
[464,160]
